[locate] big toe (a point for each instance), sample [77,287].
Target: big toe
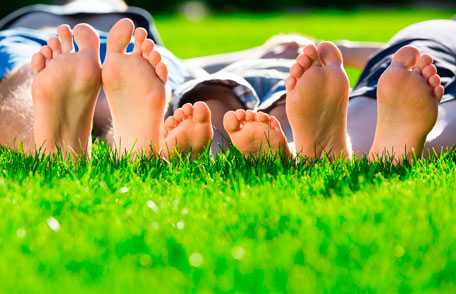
[329,53]
[120,36]
[87,38]
[231,123]
[201,112]
[407,56]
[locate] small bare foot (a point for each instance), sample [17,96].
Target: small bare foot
[135,89]
[188,130]
[65,90]
[317,101]
[255,133]
[408,95]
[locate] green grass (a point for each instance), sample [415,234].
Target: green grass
[232,224]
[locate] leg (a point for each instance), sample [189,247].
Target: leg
[65,90]
[317,100]
[408,96]
[135,88]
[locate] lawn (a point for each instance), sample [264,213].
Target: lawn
[232,224]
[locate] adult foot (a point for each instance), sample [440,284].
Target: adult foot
[317,101]
[255,133]
[65,90]
[135,89]
[188,130]
[408,95]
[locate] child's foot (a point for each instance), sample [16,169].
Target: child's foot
[408,95]
[317,101]
[255,133]
[135,88]
[188,130]
[65,90]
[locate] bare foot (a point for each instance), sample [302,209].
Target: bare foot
[65,90]
[135,88]
[188,130]
[317,101]
[255,133]
[408,95]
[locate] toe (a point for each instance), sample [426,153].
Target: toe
[296,71]
[274,123]
[140,37]
[87,38]
[46,52]
[56,47]
[188,109]
[329,54]
[170,123]
[154,58]
[250,115]
[291,83]
[120,35]
[262,117]
[162,72]
[424,61]
[38,62]
[439,91]
[407,56]
[304,61]
[240,114]
[434,81]
[66,38]
[311,52]
[231,122]
[429,71]
[201,112]
[179,115]
[147,47]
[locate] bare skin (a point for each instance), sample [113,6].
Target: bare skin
[63,115]
[188,130]
[255,133]
[135,89]
[408,96]
[317,101]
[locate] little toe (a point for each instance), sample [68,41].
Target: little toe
[87,39]
[329,53]
[140,36]
[201,112]
[274,123]
[38,62]
[291,83]
[231,122]
[120,35]
[406,57]
[56,47]
[66,38]
[188,109]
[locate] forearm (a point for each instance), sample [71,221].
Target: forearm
[357,54]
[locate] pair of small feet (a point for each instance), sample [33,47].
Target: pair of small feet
[67,84]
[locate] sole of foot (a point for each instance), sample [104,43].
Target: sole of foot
[408,95]
[135,89]
[65,90]
[317,102]
[255,133]
[189,130]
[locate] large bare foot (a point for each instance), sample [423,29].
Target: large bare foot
[65,90]
[317,101]
[255,133]
[408,95]
[188,130]
[135,88]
